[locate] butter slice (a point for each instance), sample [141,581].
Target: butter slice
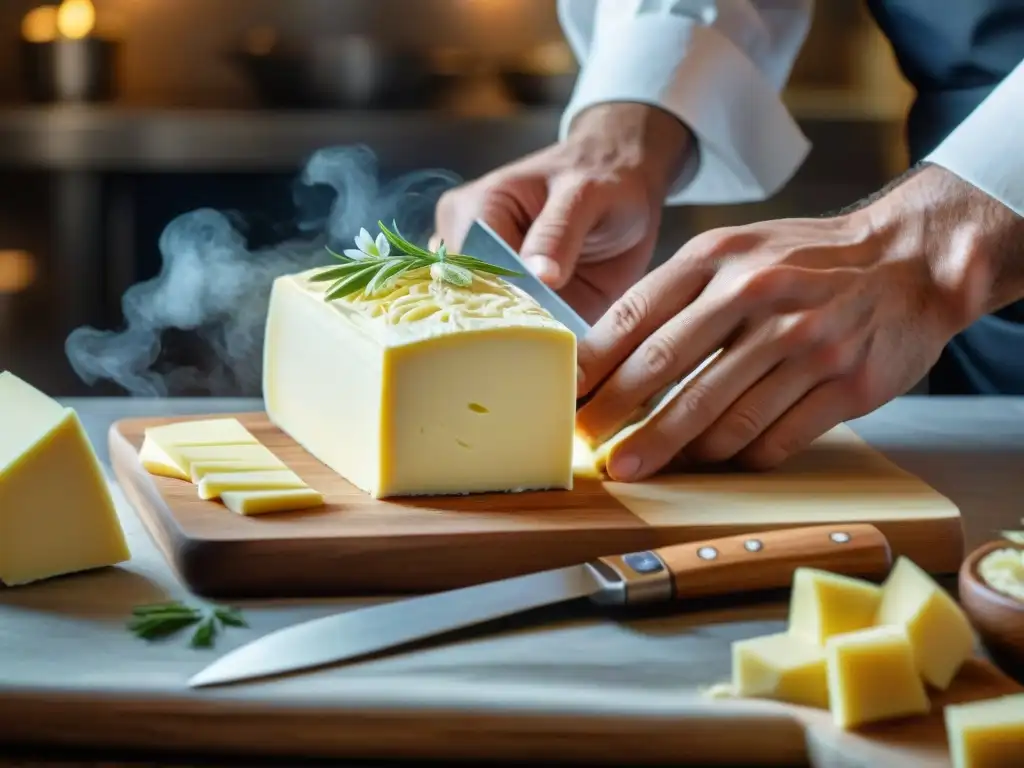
[160,453]
[56,513]
[939,630]
[214,484]
[986,734]
[200,469]
[426,388]
[782,667]
[823,604]
[266,502]
[872,676]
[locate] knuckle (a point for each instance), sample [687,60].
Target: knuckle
[629,312]
[836,358]
[800,330]
[659,356]
[739,427]
[762,284]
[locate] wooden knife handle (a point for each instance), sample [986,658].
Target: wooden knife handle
[752,561]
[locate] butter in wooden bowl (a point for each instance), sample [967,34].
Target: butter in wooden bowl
[991,589]
[413,372]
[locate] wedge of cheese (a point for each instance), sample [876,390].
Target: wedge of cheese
[872,677]
[783,667]
[215,484]
[823,604]
[426,388]
[267,502]
[56,513]
[986,734]
[938,629]
[163,446]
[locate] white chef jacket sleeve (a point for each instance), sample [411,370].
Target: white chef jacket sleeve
[987,149]
[718,66]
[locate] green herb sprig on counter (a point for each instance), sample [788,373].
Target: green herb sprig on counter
[374,264]
[159,620]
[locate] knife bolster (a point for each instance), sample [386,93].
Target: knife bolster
[637,577]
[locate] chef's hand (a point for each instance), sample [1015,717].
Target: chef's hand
[821,320]
[583,213]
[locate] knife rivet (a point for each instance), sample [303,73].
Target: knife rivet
[839,537]
[753,545]
[707,553]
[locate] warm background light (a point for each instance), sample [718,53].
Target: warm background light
[76,19]
[17,271]
[40,24]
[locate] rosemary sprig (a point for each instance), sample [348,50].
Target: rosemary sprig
[159,620]
[374,264]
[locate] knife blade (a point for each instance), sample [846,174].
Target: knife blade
[753,561]
[486,244]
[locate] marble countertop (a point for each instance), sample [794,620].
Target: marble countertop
[567,662]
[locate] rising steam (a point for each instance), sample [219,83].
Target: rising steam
[197,327]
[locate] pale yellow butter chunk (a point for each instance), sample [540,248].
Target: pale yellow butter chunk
[213,485]
[1003,570]
[268,502]
[181,458]
[823,604]
[57,516]
[872,677]
[939,630]
[782,667]
[986,734]
[161,452]
[425,389]
[200,469]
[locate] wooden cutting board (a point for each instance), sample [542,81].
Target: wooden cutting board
[359,545]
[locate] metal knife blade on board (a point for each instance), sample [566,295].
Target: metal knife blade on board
[736,564]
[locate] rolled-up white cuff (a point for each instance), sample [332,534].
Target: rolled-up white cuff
[748,145]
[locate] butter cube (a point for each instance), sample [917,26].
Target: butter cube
[939,631]
[782,667]
[823,604]
[986,734]
[425,388]
[266,502]
[872,677]
[56,513]
[215,484]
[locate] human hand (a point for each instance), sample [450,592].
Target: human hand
[584,213]
[820,321]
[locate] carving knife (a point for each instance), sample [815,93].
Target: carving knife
[755,561]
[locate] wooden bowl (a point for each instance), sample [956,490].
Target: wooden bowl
[998,618]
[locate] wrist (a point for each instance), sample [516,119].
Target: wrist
[634,137]
[969,243]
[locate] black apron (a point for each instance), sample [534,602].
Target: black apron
[954,53]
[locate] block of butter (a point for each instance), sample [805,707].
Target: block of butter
[426,388]
[939,630]
[986,734]
[56,513]
[783,667]
[823,604]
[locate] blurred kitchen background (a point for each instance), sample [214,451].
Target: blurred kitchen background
[116,116]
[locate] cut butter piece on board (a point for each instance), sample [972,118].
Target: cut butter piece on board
[56,513]
[986,734]
[183,457]
[939,631]
[823,604]
[590,458]
[872,677]
[200,469]
[213,485]
[782,667]
[160,448]
[268,502]
[424,388]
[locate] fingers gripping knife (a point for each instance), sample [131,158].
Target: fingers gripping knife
[736,564]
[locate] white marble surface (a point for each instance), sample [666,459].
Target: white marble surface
[66,636]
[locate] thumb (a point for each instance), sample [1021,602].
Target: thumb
[554,241]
